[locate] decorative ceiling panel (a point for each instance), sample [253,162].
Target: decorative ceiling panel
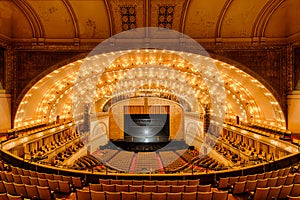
[92,18]
[55,18]
[127,15]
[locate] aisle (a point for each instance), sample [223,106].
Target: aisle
[133,164]
[161,167]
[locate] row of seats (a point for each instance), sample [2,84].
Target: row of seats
[62,156]
[96,195]
[75,182]
[150,188]
[86,162]
[146,162]
[105,154]
[209,163]
[279,192]
[25,191]
[5,196]
[282,190]
[171,161]
[122,160]
[62,187]
[271,182]
[229,181]
[188,155]
[150,182]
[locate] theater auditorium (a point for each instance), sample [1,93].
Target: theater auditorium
[149,99]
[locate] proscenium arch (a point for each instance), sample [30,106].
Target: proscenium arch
[54,86]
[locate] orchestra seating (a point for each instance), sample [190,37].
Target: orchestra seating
[122,160]
[18,182]
[146,162]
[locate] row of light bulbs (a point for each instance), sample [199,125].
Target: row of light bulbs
[176,67]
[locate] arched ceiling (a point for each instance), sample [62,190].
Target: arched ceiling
[81,21]
[154,71]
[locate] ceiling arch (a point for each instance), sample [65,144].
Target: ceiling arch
[82,21]
[73,17]
[35,22]
[52,95]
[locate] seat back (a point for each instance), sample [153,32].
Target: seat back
[172,182]
[182,182]
[296,190]
[261,193]
[297,178]
[274,193]
[272,182]
[143,195]
[53,185]
[17,178]
[122,188]
[176,189]
[119,182]
[159,196]
[174,196]
[135,188]
[104,181]
[83,194]
[251,177]
[285,191]
[261,183]
[33,180]
[267,175]
[204,188]
[25,180]
[242,178]
[220,195]
[233,180]
[204,195]
[77,182]
[95,187]
[10,188]
[41,175]
[128,195]
[44,193]
[20,190]
[274,174]
[194,182]
[149,188]
[163,188]
[238,187]
[223,183]
[2,187]
[126,182]
[281,180]
[9,177]
[108,188]
[189,195]
[11,197]
[43,182]
[190,188]
[3,196]
[112,196]
[250,186]
[160,182]
[64,187]
[57,177]
[97,195]
[49,176]
[32,191]
[289,179]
